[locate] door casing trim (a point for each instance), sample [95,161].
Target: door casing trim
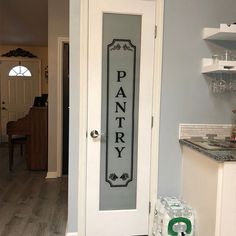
[78,109]
[156,101]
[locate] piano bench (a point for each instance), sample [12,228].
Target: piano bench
[15,140]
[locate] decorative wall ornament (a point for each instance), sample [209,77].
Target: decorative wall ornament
[19,52]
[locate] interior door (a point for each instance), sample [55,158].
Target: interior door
[120,75]
[18,89]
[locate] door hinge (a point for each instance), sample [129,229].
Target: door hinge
[155,31]
[152,121]
[150,207]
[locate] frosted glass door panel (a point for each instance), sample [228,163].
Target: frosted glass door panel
[119,121]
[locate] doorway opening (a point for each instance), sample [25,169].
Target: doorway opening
[65,108]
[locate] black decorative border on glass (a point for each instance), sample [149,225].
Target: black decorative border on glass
[112,177]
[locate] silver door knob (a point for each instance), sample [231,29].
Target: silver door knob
[94,134]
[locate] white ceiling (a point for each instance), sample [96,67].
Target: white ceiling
[24,22]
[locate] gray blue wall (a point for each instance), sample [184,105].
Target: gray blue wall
[185,96]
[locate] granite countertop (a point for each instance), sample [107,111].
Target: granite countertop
[218,155]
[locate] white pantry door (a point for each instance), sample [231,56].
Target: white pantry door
[17,92]
[120,76]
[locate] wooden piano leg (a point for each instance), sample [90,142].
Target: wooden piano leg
[10,145]
[21,149]
[27,152]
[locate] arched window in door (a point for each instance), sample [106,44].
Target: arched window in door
[20,71]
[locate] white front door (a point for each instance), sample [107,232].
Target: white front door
[120,76]
[18,89]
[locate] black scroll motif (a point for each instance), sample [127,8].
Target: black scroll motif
[127,47]
[116,47]
[113,177]
[124,176]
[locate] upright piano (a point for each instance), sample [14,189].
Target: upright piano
[35,127]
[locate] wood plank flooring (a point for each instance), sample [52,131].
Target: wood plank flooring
[30,205]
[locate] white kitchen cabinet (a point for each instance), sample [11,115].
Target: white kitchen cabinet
[226,33]
[209,187]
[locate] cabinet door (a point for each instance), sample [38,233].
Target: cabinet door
[228,209]
[200,181]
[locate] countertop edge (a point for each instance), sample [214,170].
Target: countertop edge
[219,156]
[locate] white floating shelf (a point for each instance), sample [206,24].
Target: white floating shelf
[225,32]
[221,66]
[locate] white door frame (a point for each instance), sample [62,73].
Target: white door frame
[60,43]
[78,101]
[156,107]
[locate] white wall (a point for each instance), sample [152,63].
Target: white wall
[58,26]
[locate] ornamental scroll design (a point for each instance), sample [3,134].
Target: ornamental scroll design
[120,102]
[114,177]
[125,47]
[19,52]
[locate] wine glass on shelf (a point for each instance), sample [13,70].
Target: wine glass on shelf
[227,56]
[221,83]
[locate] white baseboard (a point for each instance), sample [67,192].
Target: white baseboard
[72,234]
[51,175]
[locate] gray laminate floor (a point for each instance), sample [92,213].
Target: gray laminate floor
[30,205]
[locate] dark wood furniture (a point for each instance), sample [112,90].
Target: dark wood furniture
[21,140]
[35,127]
